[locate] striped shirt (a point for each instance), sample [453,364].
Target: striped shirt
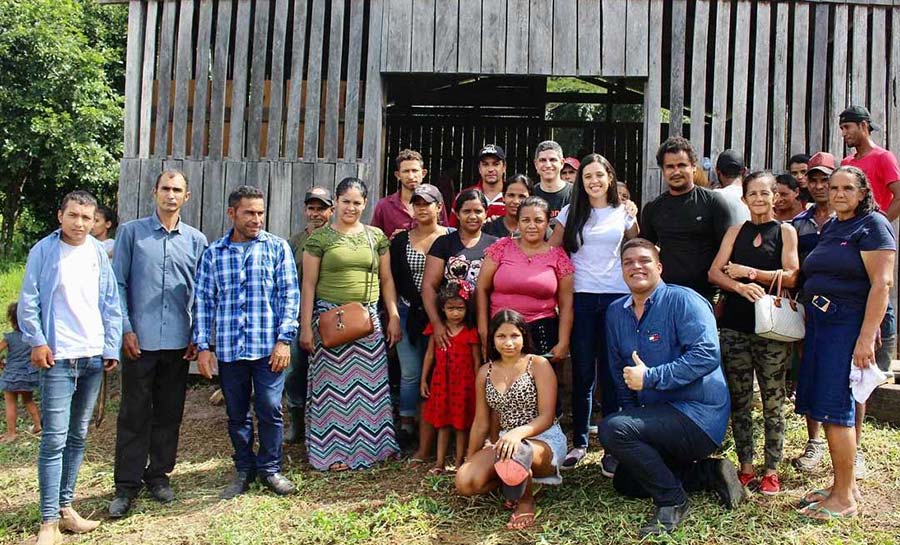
[251,293]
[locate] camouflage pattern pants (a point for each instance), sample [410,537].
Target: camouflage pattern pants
[742,355]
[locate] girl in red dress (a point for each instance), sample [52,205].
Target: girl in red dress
[448,375]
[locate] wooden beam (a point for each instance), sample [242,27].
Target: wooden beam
[373,130]
[516,36]
[614,14]
[446,27]
[199,126]
[636,53]
[399,35]
[219,82]
[239,79]
[470,37]
[540,37]
[817,104]
[676,85]
[699,75]
[651,184]
[276,85]
[314,81]
[164,79]
[740,78]
[295,98]
[720,78]
[354,62]
[779,89]
[333,85]
[493,37]
[137,13]
[565,37]
[184,62]
[422,36]
[590,36]
[839,81]
[798,86]
[759,122]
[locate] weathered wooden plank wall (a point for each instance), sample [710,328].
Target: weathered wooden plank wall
[286,93]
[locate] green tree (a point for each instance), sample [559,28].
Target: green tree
[60,112]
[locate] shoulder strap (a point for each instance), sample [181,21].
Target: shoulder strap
[529,367]
[374,275]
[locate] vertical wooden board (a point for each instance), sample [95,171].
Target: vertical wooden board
[258,175]
[373,131]
[184,61]
[740,79]
[150,171]
[652,102]
[759,122]
[565,37]
[470,37]
[219,81]
[589,36]
[676,87]
[699,75]
[333,85]
[859,61]
[193,171]
[276,85]
[720,78]
[614,16]
[345,169]
[148,75]
[422,36]
[354,62]
[839,82]
[279,209]
[399,36]
[137,12]
[446,28]
[323,176]
[517,36]
[638,12]
[302,175]
[294,105]
[540,37]
[817,104]
[129,189]
[314,82]
[235,177]
[493,37]
[239,82]
[201,78]
[893,104]
[214,198]
[257,78]
[164,79]
[779,89]
[878,88]
[799,71]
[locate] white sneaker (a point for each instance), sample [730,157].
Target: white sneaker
[812,455]
[859,466]
[573,457]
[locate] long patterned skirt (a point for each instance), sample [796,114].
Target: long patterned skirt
[349,418]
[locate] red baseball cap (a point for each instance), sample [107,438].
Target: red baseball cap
[572,162]
[822,161]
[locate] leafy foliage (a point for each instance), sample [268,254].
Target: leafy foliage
[61,83]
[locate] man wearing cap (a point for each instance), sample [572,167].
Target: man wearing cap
[394,213]
[548,162]
[492,172]
[569,169]
[730,170]
[879,164]
[319,206]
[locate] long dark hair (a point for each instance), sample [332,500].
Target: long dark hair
[507,316]
[469,195]
[580,204]
[867,203]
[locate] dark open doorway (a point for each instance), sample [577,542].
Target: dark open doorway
[448,118]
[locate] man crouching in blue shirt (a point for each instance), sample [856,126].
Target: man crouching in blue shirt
[664,357]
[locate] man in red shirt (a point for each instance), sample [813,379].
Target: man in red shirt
[879,164]
[394,213]
[492,171]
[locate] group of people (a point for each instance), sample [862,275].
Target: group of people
[483,309]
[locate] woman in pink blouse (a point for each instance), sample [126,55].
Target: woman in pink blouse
[531,277]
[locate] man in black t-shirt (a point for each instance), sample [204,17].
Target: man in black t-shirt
[548,162]
[687,222]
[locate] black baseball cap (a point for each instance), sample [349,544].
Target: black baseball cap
[492,149]
[427,192]
[318,194]
[730,162]
[857,114]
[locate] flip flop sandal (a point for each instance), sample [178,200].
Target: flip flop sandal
[520,521]
[435,471]
[338,467]
[820,494]
[511,505]
[821,514]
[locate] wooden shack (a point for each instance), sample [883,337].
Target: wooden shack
[284,94]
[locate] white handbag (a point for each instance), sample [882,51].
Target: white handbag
[778,316]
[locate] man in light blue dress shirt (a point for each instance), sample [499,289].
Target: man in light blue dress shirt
[155,260]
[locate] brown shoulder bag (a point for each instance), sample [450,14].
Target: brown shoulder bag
[351,321]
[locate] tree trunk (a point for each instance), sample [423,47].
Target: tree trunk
[12,207]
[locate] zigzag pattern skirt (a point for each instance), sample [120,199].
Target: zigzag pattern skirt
[349,418]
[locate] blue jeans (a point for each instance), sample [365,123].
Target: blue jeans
[296,376]
[888,349]
[590,362]
[238,380]
[411,356]
[68,394]
[658,448]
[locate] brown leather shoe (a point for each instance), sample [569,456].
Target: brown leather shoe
[71,521]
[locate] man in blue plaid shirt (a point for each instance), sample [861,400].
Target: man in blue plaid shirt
[247,286]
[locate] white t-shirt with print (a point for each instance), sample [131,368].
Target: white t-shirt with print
[79,326]
[598,265]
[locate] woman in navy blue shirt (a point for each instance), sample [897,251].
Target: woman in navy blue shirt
[848,277]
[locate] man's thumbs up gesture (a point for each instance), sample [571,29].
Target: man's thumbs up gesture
[634,375]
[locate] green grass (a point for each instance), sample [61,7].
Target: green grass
[10,284]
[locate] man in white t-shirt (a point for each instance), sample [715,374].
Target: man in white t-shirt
[730,170]
[70,316]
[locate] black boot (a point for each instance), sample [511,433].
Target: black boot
[297,430]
